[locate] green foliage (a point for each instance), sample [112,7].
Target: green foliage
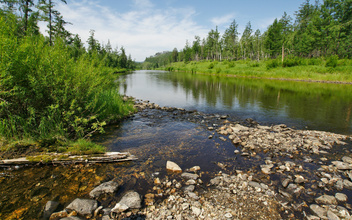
[290,62]
[332,61]
[231,64]
[314,61]
[272,64]
[44,91]
[211,66]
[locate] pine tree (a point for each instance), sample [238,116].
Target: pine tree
[50,14]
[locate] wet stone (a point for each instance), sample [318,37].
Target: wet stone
[173,166]
[189,176]
[326,199]
[332,216]
[189,188]
[50,207]
[319,211]
[286,182]
[104,188]
[341,197]
[132,200]
[83,207]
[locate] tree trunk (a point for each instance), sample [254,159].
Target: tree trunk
[50,26]
[283,53]
[26,10]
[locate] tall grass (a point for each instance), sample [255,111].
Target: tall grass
[44,92]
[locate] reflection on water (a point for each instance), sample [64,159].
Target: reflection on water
[315,106]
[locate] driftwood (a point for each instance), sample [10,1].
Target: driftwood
[63,159]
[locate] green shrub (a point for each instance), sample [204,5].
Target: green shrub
[332,61]
[253,64]
[314,61]
[290,62]
[273,63]
[231,64]
[45,92]
[211,66]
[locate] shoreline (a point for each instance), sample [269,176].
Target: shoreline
[268,78]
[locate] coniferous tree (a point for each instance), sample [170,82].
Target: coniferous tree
[50,15]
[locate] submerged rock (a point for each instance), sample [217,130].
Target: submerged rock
[104,188]
[83,207]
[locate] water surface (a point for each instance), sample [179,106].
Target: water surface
[318,106]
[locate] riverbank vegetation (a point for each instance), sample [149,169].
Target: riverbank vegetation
[317,43]
[305,69]
[53,90]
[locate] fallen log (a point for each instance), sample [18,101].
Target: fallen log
[64,159]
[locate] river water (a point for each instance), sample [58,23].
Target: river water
[156,136]
[317,106]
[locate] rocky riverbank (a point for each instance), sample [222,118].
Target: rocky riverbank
[301,174]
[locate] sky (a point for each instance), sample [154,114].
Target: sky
[145,27]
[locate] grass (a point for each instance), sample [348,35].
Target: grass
[41,149]
[303,69]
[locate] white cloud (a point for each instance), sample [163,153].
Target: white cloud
[222,20]
[143,31]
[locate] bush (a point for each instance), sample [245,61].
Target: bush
[45,92]
[253,64]
[314,61]
[332,61]
[211,66]
[272,64]
[231,64]
[290,62]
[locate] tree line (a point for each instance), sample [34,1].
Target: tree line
[320,29]
[30,12]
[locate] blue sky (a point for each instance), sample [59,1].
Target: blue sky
[145,27]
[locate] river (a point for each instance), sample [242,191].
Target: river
[317,106]
[156,136]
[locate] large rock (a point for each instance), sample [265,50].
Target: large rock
[50,207]
[83,207]
[104,188]
[132,200]
[173,167]
[326,200]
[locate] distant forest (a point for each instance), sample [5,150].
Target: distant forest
[322,29]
